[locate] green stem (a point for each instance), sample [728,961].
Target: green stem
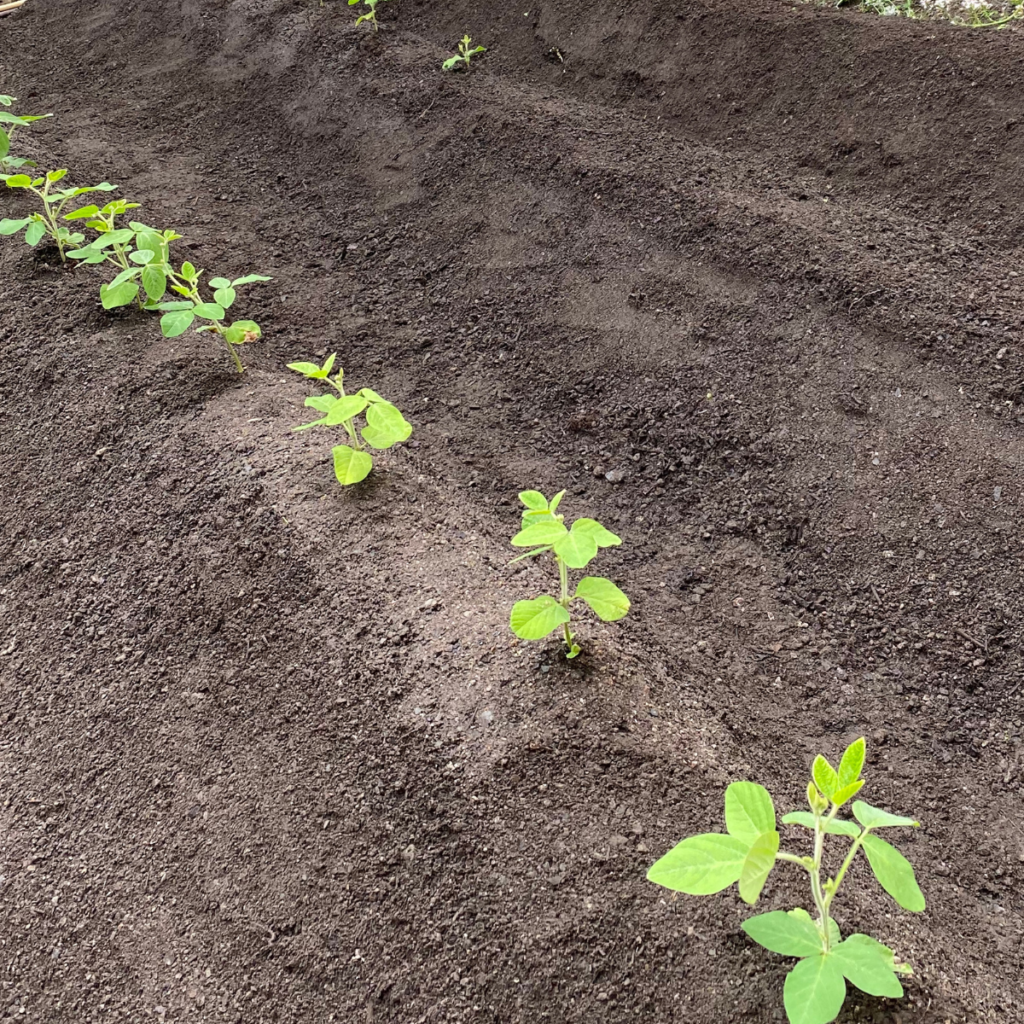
[234,355]
[339,385]
[563,600]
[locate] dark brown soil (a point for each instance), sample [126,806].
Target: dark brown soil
[268,751]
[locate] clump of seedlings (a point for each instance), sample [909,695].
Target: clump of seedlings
[9,124]
[467,51]
[370,16]
[544,530]
[746,852]
[385,425]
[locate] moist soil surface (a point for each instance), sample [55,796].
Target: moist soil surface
[744,280]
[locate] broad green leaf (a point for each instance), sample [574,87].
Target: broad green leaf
[370,395]
[874,817]
[606,601]
[11,227]
[869,965]
[749,811]
[533,620]
[894,873]
[555,502]
[577,548]
[175,323]
[87,255]
[188,271]
[249,279]
[322,403]
[249,328]
[852,763]
[172,306]
[19,181]
[814,991]
[150,241]
[825,777]
[385,425]
[34,232]
[155,282]
[758,866]
[844,793]
[546,532]
[82,212]
[142,257]
[344,409]
[108,238]
[534,500]
[836,827]
[128,275]
[208,310]
[219,282]
[701,865]
[111,297]
[55,176]
[306,369]
[351,466]
[224,297]
[329,365]
[604,538]
[785,932]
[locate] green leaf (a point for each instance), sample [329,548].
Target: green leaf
[701,865]
[155,282]
[142,257]
[250,330]
[5,144]
[535,619]
[852,763]
[11,227]
[555,502]
[530,554]
[758,866]
[208,310]
[869,965]
[175,323]
[604,538]
[844,793]
[19,181]
[874,817]
[82,212]
[577,548]
[351,466]
[344,409]
[188,271]
[127,275]
[825,777]
[170,306]
[450,63]
[785,932]
[836,827]
[385,426]
[224,297]
[109,238]
[87,255]
[749,811]
[55,176]
[814,991]
[111,297]
[322,403]
[534,500]
[219,282]
[149,240]
[606,601]
[894,873]
[306,369]
[536,534]
[34,232]
[329,365]
[250,279]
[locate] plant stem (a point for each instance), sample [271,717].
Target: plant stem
[339,385]
[563,600]
[234,355]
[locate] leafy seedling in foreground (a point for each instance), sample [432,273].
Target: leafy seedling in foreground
[9,124]
[385,425]
[37,225]
[816,987]
[466,53]
[573,548]
[371,16]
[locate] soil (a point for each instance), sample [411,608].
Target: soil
[268,750]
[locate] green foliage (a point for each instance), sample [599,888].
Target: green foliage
[573,548]
[370,16]
[9,124]
[53,202]
[385,425]
[466,53]
[748,851]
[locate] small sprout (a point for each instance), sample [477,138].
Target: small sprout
[38,225]
[574,548]
[815,988]
[371,16]
[385,425]
[9,124]
[466,53]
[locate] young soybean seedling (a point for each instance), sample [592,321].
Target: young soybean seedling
[544,530]
[37,225]
[816,987]
[385,425]
[9,123]
[466,53]
[371,16]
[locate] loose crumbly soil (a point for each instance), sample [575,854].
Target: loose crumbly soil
[268,751]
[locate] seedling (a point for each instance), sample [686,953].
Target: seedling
[574,548]
[466,53]
[9,124]
[385,425]
[816,987]
[37,225]
[370,17]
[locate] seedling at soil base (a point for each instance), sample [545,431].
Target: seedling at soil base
[544,530]
[46,223]
[371,17]
[466,53]
[816,987]
[9,123]
[385,425]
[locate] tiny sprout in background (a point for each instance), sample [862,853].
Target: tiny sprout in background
[371,16]
[466,53]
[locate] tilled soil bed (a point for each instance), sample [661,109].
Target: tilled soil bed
[268,750]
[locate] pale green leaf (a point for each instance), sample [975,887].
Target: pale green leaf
[306,369]
[758,865]
[11,227]
[344,409]
[535,619]
[785,932]
[351,466]
[874,817]
[894,873]
[604,538]
[208,310]
[385,425]
[576,548]
[869,965]
[825,777]
[749,811]
[836,827]
[177,322]
[852,763]
[112,297]
[34,232]
[605,599]
[701,865]
[547,532]
[155,283]
[814,991]
[534,500]
[844,793]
